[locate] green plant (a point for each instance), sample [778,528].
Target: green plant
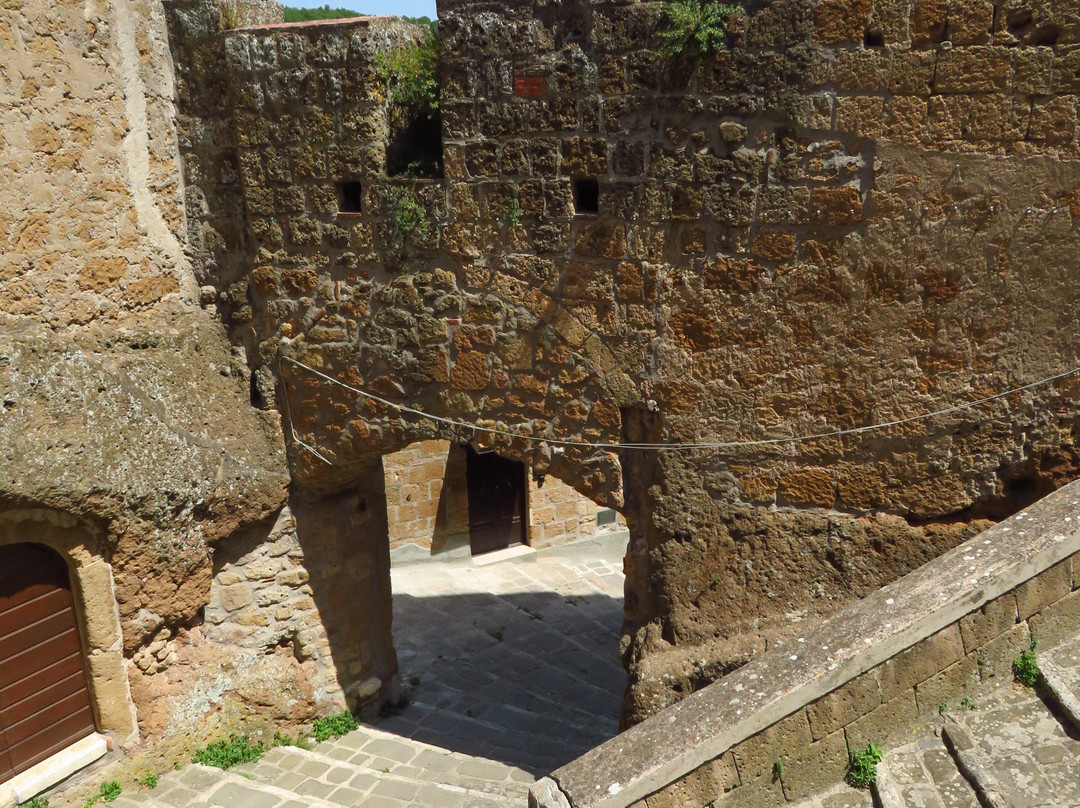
[108,792]
[334,726]
[409,77]
[497,633]
[1026,667]
[225,754]
[408,218]
[941,708]
[694,29]
[35,802]
[862,766]
[777,769]
[715,578]
[150,780]
[515,212]
[414,681]
[967,702]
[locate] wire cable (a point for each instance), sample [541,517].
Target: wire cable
[675,447]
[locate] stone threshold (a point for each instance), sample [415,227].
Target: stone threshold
[53,770]
[510,553]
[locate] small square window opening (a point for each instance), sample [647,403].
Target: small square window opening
[586,196]
[350,196]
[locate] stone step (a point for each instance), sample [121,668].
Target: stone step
[197,786]
[363,766]
[922,773]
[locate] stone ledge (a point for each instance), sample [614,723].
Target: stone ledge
[675,742]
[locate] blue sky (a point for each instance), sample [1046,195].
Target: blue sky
[410,8]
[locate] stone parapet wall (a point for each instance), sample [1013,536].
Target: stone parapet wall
[875,672]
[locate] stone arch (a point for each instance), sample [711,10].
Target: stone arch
[97,615]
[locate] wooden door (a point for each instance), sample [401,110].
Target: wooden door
[496,501]
[44,700]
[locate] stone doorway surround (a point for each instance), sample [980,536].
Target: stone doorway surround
[98,620]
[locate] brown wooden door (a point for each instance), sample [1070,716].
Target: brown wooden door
[496,501]
[44,700]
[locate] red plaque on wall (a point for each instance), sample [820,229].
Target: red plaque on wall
[530,86]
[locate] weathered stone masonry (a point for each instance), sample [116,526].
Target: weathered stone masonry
[859,212]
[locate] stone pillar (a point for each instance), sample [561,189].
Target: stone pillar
[346,548]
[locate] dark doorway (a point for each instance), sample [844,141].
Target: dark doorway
[496,501]
[44,700]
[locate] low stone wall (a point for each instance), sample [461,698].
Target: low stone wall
[875,672]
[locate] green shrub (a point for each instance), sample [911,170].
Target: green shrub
[150,780]
[36,802]
[323,13]
[1026,667]
[225,754]
[694,29]
[334,726]
[862,766]
[410,79]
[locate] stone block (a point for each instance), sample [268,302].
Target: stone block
[1044,589]
[1058,621]
[995,659]
[920,662]
[844,705]
[817,767]
[978,69]
[112,698]
[235,597]
[891,724]
[764,792]
[786,738]
[948,687]
[700,787]
[98,605]
[988,622]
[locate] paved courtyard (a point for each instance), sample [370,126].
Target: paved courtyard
[516,661]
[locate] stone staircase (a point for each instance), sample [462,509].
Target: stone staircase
[368,767]
[1013,747]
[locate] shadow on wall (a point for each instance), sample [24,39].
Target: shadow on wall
[530,679]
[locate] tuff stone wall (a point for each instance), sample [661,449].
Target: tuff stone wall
[858,212]
[127,435]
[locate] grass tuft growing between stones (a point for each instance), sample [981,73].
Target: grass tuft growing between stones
[1026,667]
[334,726]
[225,754]
[36,802]
[108,792]
[862,766]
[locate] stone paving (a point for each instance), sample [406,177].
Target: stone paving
[516,661]
[1004,748]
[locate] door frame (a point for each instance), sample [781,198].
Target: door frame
[97,616]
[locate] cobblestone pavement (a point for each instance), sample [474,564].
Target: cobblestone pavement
[515,661]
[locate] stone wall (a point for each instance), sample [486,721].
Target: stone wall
[876,672]
[128,438]
[858,212]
